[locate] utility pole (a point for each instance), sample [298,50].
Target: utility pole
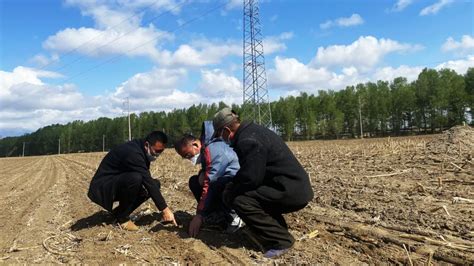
[103,143]
[23,154]
[59,146]
[256,104]
[360,120]
[129,127]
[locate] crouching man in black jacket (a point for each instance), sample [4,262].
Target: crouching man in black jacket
[124,176]
[270,181]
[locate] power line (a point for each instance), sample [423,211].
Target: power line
[113,27]
[145,43]
[118,38]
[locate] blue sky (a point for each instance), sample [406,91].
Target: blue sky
[65,60]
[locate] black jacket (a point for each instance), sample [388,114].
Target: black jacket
[127,157]
[268,167]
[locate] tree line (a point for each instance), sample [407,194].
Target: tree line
[436,100]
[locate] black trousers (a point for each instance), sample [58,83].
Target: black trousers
[264,218]
[217,205]
[130,194]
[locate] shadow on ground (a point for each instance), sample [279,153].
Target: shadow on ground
[212,236]
[96,219]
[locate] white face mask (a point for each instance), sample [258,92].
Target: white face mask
[194,160]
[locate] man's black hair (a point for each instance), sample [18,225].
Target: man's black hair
[185,140]
[155,136]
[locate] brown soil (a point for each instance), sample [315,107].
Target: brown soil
[376,201]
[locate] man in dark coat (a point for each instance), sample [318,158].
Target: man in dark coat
[124,176]
[270,181]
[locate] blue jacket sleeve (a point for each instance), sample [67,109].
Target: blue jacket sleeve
[216,163]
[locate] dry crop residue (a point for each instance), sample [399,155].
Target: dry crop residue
[388,200]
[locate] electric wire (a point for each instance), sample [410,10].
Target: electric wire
[116,39]
[207,12]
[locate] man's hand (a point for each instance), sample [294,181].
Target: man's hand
[168,216]
[195,225]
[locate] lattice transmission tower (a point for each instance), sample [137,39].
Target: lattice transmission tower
[256,105]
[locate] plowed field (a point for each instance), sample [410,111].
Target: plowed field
[386,200]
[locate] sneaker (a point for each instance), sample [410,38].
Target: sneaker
[274,253]
[129,226]
[235,225]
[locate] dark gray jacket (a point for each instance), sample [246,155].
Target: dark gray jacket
[268,167]
[127,157]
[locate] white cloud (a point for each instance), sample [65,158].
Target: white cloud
[460,66]
[23,90]
[42,60]
[289,74]
[200,53]
[204,52]
[364,53]
[156,83]
[93,42]
[435,8]
[123,15]
[20,122]
[27,102]
[157,90]
[234,4]
[390,73]
[22,75]
[117,30]
[464,46]
[401,5]
[216,85]
[157,5]
[353,20]
[273,44]
[161,89]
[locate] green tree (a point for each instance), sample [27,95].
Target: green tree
[469,88]
[455,96]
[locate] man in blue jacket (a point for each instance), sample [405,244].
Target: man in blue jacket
[219,163]
[124,176]
[270,181]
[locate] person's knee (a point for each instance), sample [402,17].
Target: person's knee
[193,182]
[134,178]
[241,203]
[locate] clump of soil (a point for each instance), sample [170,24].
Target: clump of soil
[457,141]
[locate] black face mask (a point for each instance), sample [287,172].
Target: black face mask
[151,157]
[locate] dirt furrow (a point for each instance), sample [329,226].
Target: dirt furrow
[20,214]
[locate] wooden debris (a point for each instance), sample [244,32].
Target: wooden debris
[441,207]
[313,234]
[390,174]
[408,255]
[462,200]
